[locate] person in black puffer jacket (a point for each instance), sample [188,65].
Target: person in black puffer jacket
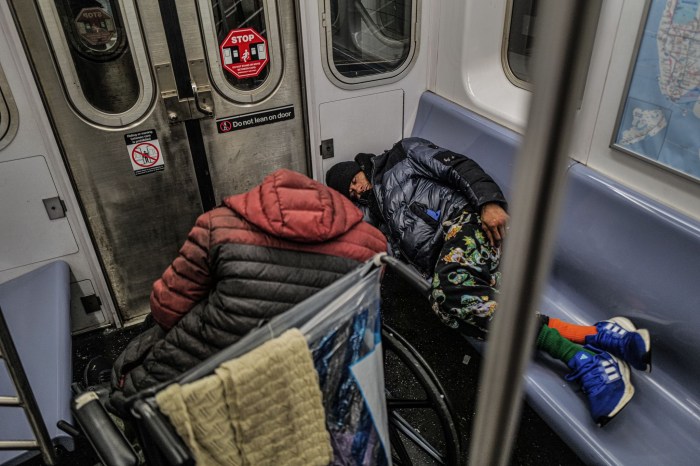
[444,215]
[415,193]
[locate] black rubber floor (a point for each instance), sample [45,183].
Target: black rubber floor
[457,364]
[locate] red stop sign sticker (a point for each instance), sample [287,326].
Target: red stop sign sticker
[244,53]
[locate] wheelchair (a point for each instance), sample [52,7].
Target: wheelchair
[416,417]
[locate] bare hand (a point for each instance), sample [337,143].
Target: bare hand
[493,222]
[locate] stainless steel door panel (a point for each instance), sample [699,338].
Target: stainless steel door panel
[138,222]
[238,160]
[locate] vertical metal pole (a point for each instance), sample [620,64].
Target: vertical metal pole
[564,38]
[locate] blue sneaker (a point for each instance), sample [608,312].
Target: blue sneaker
[619,337]
[604,379]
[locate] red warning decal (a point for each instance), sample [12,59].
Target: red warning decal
[244,53]
[225,126]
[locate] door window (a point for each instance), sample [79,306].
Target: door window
[369,40]
[99,51]
[231,15]
[222,18]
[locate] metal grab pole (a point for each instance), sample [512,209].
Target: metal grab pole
[564,38]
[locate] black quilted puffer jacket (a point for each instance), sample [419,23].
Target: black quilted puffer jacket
[417,186]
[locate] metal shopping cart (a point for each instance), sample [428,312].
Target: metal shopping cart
[407,421]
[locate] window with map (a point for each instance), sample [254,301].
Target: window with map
[659,118]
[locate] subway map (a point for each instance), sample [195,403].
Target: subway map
[661,117]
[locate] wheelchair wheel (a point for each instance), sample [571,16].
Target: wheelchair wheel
[422,430]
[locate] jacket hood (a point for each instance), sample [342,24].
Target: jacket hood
[290,205]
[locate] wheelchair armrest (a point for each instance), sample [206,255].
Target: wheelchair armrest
[408,273]
[168,442]
[106,439]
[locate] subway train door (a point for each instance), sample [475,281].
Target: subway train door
[161,109]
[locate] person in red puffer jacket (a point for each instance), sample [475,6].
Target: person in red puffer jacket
[248,260]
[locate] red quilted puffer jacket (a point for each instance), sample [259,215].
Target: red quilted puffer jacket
[251,259]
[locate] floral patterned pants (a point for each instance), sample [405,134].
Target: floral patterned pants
[466,278]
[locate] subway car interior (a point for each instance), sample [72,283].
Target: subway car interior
[123,121]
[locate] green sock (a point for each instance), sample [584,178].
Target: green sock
[557,346]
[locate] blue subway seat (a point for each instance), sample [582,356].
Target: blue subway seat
[616,253]
[36,307]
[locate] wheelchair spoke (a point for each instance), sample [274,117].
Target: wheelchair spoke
[416,402]
[401,425]
[398,449]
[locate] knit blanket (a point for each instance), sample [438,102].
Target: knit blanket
[263,408]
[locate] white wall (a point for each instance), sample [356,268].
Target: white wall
[469,70]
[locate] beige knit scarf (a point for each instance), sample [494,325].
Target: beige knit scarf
[263,408]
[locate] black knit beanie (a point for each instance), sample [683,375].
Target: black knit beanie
[340,176]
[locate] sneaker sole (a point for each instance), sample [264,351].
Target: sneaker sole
[626,397]
[627,324]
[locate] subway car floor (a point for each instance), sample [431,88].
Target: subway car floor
[455,362]
[457,365]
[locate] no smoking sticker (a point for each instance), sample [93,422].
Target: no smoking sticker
[144,152]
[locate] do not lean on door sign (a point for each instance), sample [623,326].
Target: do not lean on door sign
[144,152]
[244,53]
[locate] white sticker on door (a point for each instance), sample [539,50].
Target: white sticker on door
[144,152]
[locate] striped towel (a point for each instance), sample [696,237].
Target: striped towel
[263,408]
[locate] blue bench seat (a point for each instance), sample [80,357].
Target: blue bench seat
[36,307]
[617,253]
